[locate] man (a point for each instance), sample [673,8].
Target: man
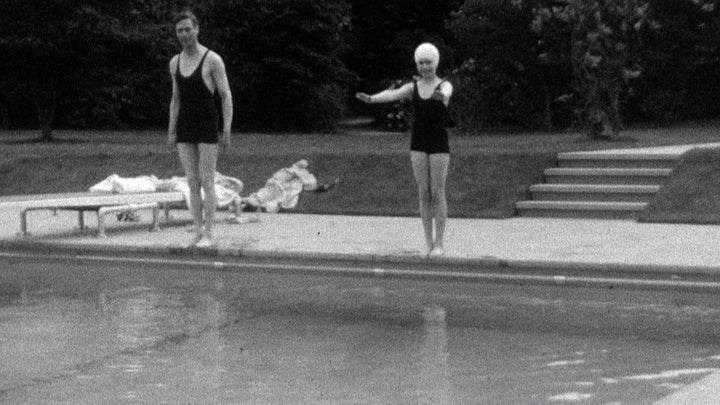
[197,73]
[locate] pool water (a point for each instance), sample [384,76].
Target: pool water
[118,333]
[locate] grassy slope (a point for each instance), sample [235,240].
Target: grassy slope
[372,184]
[488,173]
[480,185]
[692,193]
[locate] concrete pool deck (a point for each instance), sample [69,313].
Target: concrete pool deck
[518,242]
[545,243]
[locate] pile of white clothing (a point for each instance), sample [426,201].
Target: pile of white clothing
[227,189]
[282,190]
[122,185]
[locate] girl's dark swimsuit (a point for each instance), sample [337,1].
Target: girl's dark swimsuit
[197,119]
[429,134]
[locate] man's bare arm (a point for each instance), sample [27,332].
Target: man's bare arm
[222,86]
[174,102]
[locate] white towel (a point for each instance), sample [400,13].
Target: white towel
[227,189]
[123,185]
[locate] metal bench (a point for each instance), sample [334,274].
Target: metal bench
[101,203]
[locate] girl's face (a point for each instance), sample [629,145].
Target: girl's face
[426,67]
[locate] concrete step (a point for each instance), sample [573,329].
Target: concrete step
[594,192]
[617,160]
[581,175]
[580,209]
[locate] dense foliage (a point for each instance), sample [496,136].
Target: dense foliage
[293,64]
[284,60]
[597,64]
[605,44]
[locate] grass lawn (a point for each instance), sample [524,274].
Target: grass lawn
[488,172]
[692,193]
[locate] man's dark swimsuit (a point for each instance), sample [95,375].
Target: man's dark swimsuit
[197,119]
[429,134]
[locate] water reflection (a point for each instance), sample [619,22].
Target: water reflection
[434,366]
[147,324]
[136,317]
[195,337]
[207,370]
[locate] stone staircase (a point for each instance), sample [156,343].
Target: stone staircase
[604,184]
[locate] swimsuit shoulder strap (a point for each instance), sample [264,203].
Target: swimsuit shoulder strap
[198,67]
[203,58]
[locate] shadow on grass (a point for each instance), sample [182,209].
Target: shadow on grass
[624,139]
[40,141]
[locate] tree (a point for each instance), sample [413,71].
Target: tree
[44,60]
[605,56]
[385,33]
[130,87]
[584,52]
[517,57]
[284,57]
[681,57]
[74,56]
[552,25]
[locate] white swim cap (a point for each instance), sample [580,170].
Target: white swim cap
[427,51]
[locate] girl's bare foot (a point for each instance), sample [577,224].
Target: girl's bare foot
[206,242]
[436,251]
[195,241]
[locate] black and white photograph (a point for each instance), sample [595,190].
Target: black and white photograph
[326,202]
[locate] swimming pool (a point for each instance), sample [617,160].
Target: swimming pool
[75,331]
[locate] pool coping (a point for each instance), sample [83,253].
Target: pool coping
[486,263]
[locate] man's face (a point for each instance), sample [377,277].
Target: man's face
[186,31]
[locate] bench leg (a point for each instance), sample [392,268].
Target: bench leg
[81,219]
[103,211]
[101,224]
[23,222]
[156,218]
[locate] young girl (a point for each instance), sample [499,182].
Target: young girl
[429,150]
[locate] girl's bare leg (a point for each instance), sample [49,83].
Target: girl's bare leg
[421,171]
[439,163]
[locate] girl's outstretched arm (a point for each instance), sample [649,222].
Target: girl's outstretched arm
[443,93]
[387,96]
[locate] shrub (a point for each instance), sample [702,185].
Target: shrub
[284,58]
